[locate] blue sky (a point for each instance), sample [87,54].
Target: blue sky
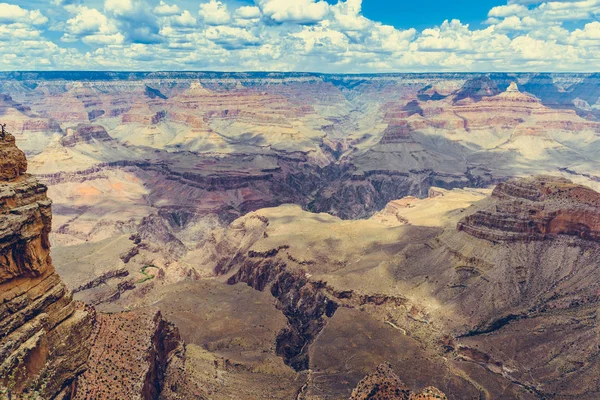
[424,14]
[345,36]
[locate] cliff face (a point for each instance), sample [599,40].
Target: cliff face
[84,133]
[536,209]
[133,355]
[43,336]
[53,347]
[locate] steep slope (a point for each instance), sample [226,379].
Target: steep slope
[44,337]
[53,347]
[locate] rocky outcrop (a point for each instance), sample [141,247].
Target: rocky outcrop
[536,209]
[384,384]
[83,134]
[43,334]
[53,347]
[131,358]
[12,160]
[477,88]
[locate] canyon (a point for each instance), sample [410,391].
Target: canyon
[307,236]
[51,345]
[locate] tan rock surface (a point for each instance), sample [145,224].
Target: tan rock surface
[43,338]
[12,160]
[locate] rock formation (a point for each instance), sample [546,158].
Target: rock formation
[43,334]
[54,347]
[134,354]
[85,134]
[384,384]
[12,160]
[536,209]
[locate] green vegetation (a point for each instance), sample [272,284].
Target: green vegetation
[147,276]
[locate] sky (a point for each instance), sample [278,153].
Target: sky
[345,36]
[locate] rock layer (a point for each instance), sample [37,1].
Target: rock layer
[54,347]
[43,336]
[536,209]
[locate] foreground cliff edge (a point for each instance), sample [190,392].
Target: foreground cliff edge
[51,346]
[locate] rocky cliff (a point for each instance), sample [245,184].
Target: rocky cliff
[43,336]
[536,209]
[54,347]
[133,356]
[12,160]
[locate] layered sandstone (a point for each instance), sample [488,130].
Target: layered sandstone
[53,347]
[536,209]
[43,336]
[85,133]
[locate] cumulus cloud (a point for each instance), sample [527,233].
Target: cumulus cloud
[231,38]
[507,11]
[134,20]
[247,12]
[185,20]
[214,13]
[165,9]
[299,11]
[306,35]
[10,14]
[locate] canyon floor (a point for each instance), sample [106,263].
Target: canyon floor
[303,236]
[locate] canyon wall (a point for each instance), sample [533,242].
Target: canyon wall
[44,335]
[52,346]
[536,209]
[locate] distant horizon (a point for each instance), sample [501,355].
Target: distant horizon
[307,73]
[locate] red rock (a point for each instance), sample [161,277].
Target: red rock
[536,209]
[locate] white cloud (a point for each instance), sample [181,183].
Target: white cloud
[347,15]
[186,19]
[231,37]
[119,7]
[247,12]
[590,35]
[214,13]
[507,11]
[306,35]
[134,20]
[10,14]
[165,9]
[88,21]
[300,11]
[92,27]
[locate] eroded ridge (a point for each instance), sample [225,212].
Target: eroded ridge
[538,208]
